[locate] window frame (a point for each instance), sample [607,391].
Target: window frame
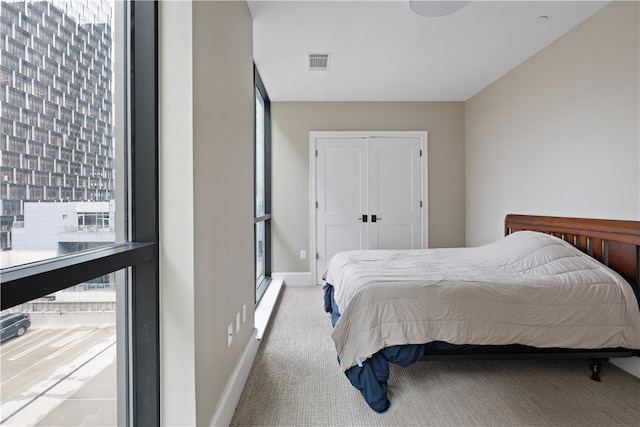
[141,254]
[261,286]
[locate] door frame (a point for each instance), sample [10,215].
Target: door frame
[314,135]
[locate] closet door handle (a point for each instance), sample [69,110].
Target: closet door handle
[375,218]
[364,218]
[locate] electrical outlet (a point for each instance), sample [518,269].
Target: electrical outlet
[237,322]
[229,334]
[244,313]
[303,254]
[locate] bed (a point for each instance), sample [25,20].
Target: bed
[552,287]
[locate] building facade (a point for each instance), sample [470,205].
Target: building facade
[56,108]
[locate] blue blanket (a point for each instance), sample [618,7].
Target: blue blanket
[371,376]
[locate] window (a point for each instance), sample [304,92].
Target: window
[262,188]
[90,231]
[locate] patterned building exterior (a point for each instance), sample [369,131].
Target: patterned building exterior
[57,142]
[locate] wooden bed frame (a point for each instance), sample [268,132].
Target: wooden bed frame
[615,243]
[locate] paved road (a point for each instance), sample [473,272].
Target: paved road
[58,375]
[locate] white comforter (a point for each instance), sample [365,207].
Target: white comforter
[527,288]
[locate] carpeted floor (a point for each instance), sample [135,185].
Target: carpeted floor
[296,381]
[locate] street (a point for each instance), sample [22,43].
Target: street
[57,375]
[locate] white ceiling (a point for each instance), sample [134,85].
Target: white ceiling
[383,51]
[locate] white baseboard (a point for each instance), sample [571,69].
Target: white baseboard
[233,391]
[294,279]
[631,365]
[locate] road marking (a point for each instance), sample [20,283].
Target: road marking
[16,341]
[77,341]
[40,344]
[48,402]
[21,372]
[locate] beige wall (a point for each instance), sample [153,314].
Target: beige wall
[206,201]
[291,124]
[559,135]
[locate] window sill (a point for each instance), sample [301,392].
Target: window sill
[266,307]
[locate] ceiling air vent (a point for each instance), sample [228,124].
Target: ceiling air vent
[318,61]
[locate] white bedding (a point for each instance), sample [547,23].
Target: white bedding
[527,288]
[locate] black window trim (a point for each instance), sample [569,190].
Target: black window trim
[24,283]
[266,218]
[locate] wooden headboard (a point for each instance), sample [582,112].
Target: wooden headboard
[615,243]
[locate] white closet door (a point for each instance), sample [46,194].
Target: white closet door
[341,192]
[368,192]
[395,193]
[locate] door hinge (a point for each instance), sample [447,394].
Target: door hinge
[316,153]
[420,203]
[316,205]
[317,255]
[420,153]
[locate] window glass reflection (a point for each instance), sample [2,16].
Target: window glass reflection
[259,161]
[260,251]
[58,143]
[58,362]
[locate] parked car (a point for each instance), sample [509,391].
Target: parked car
[14,324]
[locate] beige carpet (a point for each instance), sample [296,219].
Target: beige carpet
[296,381]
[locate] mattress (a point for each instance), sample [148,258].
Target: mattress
[527,288]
